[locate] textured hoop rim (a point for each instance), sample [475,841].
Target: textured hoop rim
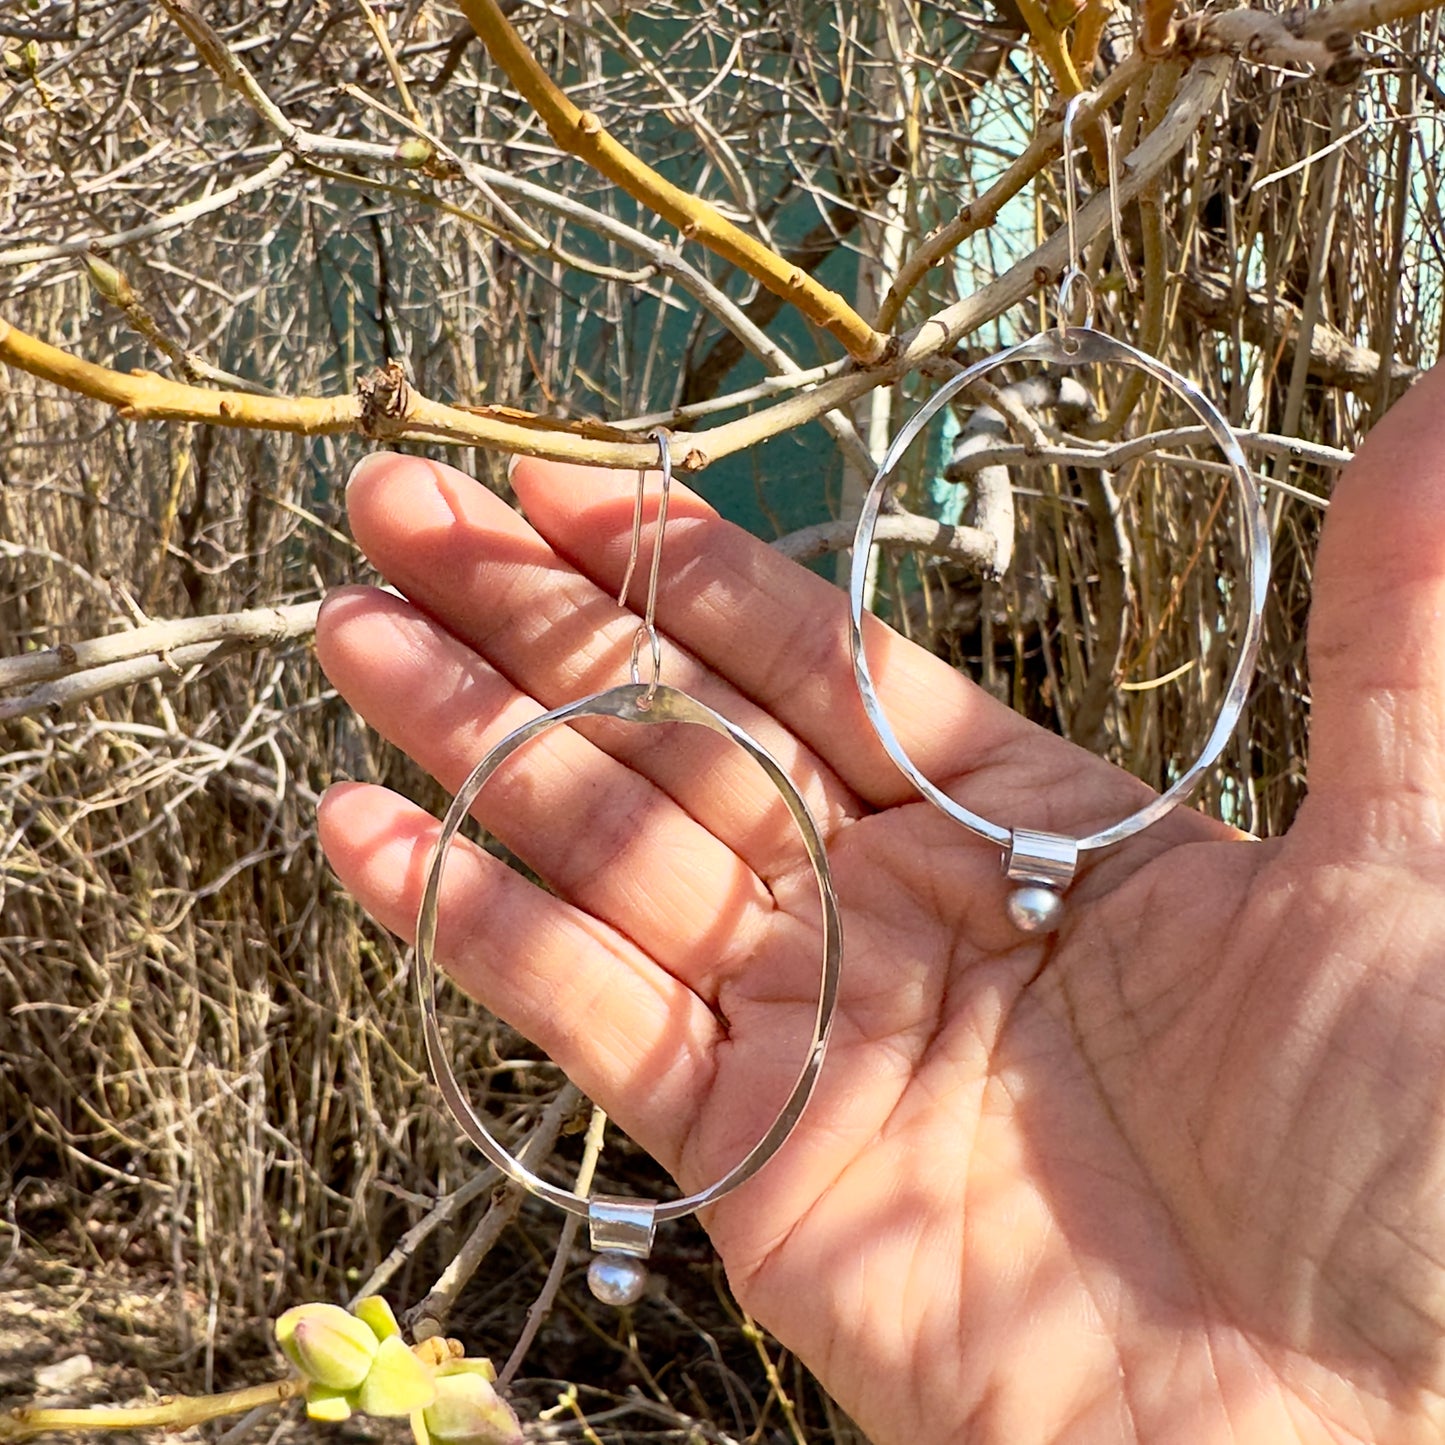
[1074,347]
[630,703]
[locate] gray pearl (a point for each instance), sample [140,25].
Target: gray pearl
[617,1279]
[1032,908]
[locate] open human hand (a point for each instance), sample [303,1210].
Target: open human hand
[1174,1174]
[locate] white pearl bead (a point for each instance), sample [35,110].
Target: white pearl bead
[1032,908]
[617,1279]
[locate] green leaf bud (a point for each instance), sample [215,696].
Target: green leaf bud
[330,1406]
[375,1311]
[329,1346]
[468,1411]
[397,1382]
[485,1368]
[108,281]
[414,152]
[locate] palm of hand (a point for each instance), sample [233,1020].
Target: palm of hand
[1172,1176]
[1181,1185]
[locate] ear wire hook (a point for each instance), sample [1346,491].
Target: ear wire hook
[1075,278]
[647,632]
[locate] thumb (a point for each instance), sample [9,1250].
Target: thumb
[1377,633]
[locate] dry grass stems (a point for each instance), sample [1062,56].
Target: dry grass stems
[346,216]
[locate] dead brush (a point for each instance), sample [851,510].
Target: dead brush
[210,1068]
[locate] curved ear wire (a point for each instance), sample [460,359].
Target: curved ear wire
[1075,279]
[648,631]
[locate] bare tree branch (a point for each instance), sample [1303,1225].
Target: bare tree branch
[1323,38]
[75,672]
[972,547]
[175,220]
[1333,358]
[258,627]
[388,409]
[581,132]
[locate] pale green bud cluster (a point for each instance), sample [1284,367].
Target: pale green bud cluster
[25,61]
[357,1361]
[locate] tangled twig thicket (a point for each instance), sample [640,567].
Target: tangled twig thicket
[346,215]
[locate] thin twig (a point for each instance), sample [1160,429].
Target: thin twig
[256,627]
[177,1413]
[972,547]
[178,219]
[429,1317]
[398,78]
[541,1307]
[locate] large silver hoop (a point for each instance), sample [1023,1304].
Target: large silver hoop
[622,1228]
[1041,865]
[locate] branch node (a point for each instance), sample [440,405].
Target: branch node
[1347,70]
[1191,37]
[384,397]
[588,123]
[892,345]
[1160,31]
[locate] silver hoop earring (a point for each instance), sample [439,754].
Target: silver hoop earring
[1041,865]
[622,1229]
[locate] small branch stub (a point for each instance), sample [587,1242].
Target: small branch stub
[384,397]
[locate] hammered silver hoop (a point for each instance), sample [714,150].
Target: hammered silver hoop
[1041,865]
[622,1228]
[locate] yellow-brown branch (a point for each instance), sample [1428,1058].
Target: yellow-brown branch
[581,134]
[385,408]
[177,1413]
[1156,30]
[983,211]
[1048,41]
[1088,31]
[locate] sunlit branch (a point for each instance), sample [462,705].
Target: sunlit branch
[581,133]
[386,408]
